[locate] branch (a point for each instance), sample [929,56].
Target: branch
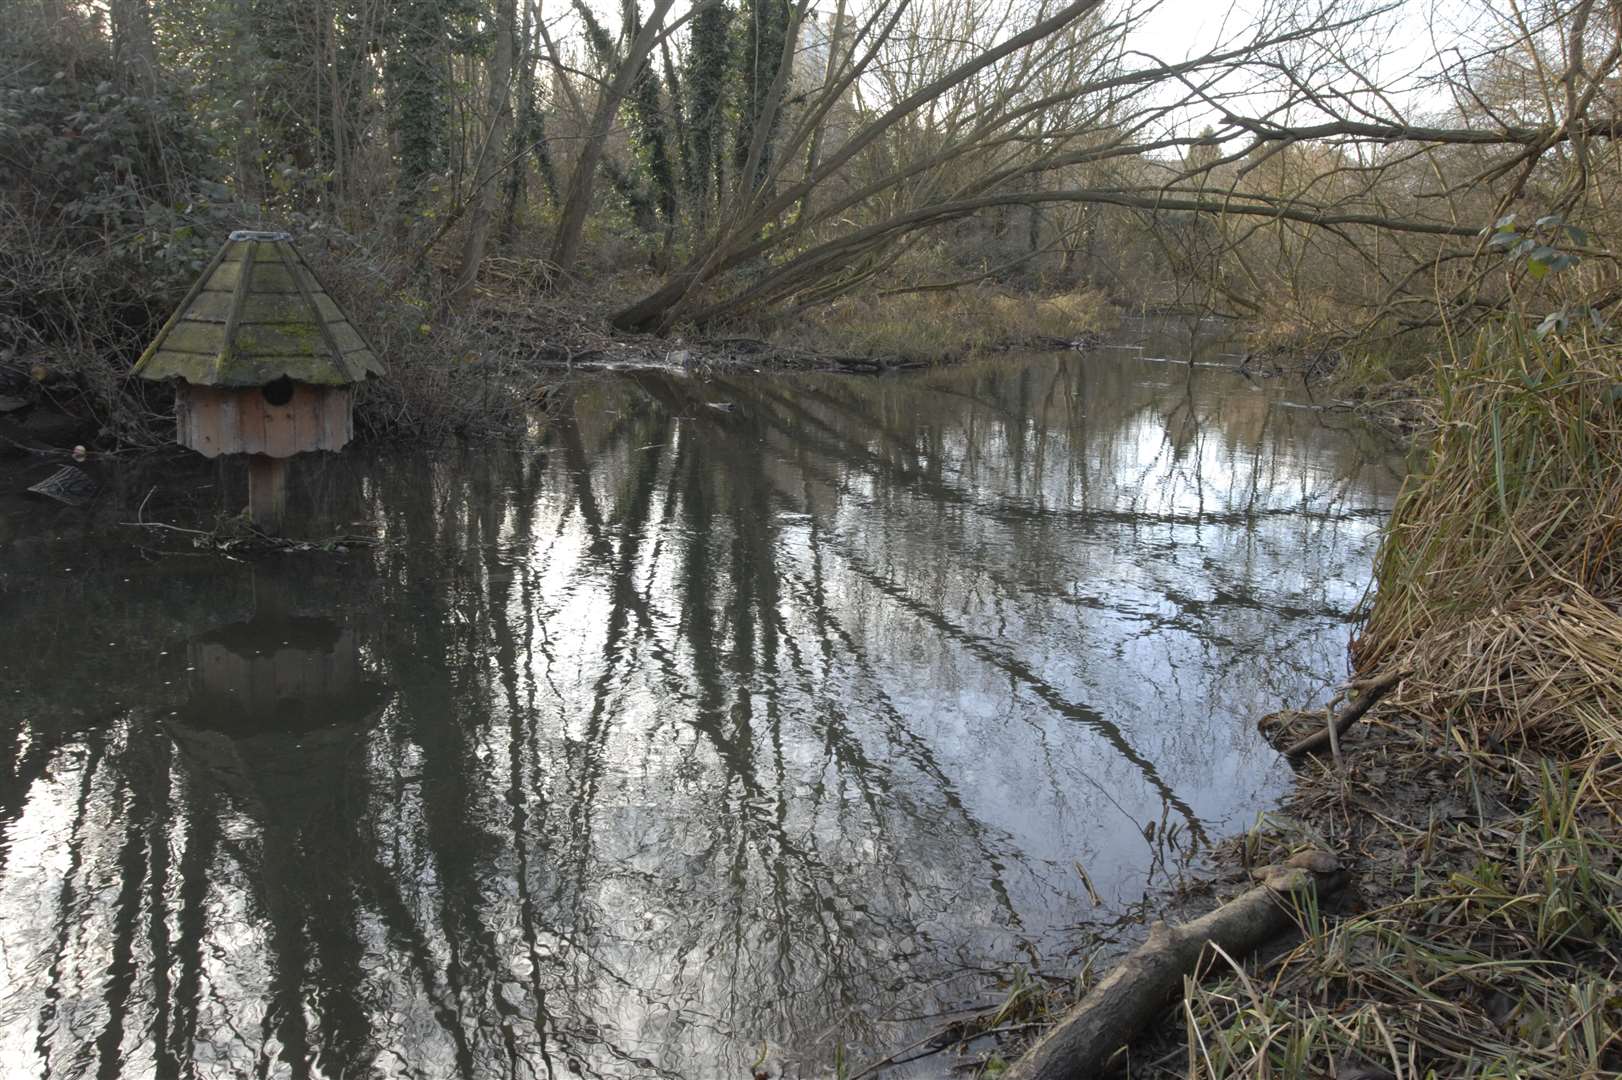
[1342,722]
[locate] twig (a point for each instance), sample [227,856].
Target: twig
[1334,736]
[1373,691]
[891,1059]
[38,451]
[161,525]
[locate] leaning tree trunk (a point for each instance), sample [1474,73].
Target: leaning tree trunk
[583,181]
[660,307]
[830,77]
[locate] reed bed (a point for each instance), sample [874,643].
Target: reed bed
[1500,580]
[1482,811]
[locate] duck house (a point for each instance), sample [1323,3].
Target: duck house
[264,364]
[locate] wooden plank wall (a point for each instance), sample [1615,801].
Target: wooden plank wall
[215,421]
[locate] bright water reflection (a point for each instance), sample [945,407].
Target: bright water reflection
[685,728]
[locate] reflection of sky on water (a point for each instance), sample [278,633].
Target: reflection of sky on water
[701,727]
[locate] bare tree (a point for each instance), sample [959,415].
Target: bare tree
[501,74]
[1282,136]
[577,198]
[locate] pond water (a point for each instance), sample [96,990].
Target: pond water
[725,711]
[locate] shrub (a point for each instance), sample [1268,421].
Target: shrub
[112,205]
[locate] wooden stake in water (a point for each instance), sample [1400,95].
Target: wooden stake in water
[267,491]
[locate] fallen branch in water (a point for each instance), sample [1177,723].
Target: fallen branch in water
[1088,1041]
[237,534]
[1371,692]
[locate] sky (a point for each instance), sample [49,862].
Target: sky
[1406,39]
[1411,31]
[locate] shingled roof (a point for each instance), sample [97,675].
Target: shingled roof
[257,313]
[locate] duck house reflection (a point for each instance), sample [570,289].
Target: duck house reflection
[274,728]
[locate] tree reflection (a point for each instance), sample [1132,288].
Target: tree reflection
[702,726]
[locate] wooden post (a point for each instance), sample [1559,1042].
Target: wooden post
[267,491]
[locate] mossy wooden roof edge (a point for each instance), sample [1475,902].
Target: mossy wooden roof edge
[255,314]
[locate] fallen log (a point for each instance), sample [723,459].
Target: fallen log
[1372,691]
[1090,1039]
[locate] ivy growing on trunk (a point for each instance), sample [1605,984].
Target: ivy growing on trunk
[708,68]
[760,55]
[419,91]
[650,132]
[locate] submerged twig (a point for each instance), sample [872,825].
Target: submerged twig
[1340,723]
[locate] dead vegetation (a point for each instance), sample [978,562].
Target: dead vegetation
[1482,940]
[1500,580]
[1481,815]
[931,325]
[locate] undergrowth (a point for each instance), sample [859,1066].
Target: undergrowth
[112,202]
[449,372]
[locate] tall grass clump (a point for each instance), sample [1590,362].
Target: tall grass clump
[1500,579]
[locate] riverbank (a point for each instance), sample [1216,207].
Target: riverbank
[479,366]
[1477,809]
[1480,937]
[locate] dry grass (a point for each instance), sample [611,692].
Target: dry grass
[941,325]
[1487,944]
[1500,579]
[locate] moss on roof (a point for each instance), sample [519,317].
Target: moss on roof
[258,313]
